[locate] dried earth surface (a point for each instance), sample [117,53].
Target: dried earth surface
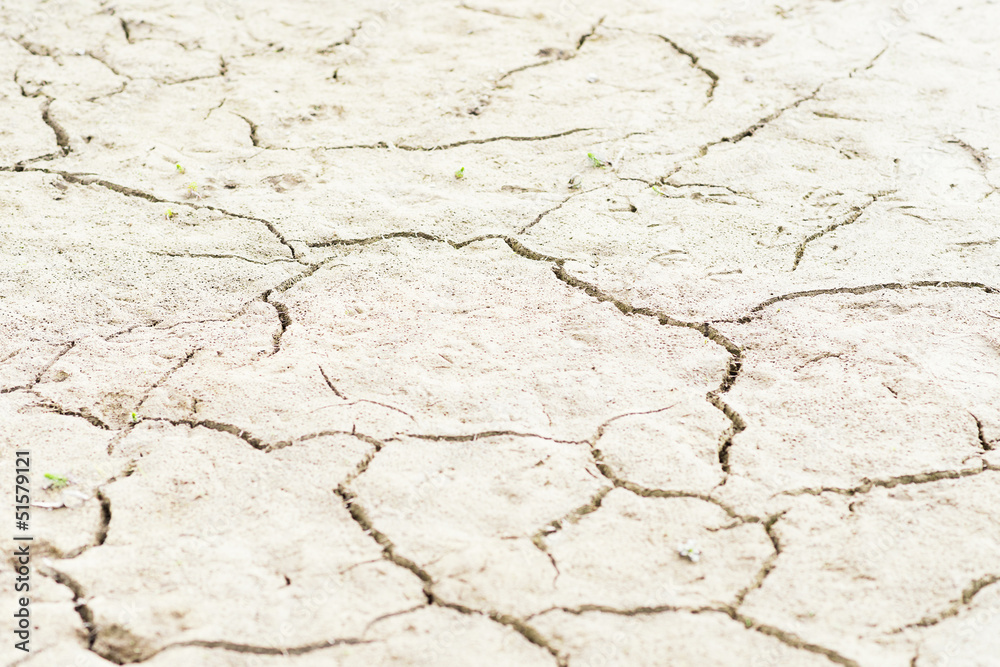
[338,348]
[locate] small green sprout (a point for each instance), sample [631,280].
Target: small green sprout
[193,190]
[58,481]
[575,182]
[658,191]
[180,168]
[134,417]
[748,622]
[170,213]
[597,162]
[460,174]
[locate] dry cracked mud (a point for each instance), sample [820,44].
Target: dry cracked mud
[438,333]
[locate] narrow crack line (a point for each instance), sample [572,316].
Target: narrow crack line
[348,40]
[712,76]
[889,482]
[760,124]
[635,611]
[208,255]
[360,517]
[101,59]
[284,316]
[968,593]
[865,289]
[377,444]
[554,208]
[556,525]
[32,48]
[603,427]
[91,179]
[593,29]
[766,568]
[264,650]
[116,91]
[365,400]
[482,435]
[126,30]
[737,425]
[977,155]
[514,623]
[491,12]
[59,355]
[253,129]
[48,404]
[986,445]
[62,137]
[382,237]
[132,328]
[12,355]
[101,535]
[391,614]
[871,63]
[522,68]
[794,641]
[21,165]
[770,118]
[456,144]
[489,140]
[330,384]
[164,377]
[854,216]
[223,427]
[82,610]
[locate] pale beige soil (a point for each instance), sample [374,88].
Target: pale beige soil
[319,401]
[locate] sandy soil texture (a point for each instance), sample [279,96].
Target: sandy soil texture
[485,332]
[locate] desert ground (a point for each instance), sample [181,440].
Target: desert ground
[485,332]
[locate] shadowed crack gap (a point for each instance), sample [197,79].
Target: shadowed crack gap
[890,482]
[794,641]
[770,118]
[222,427]
[62,138]
[865,289]
[266,650]
[584,37]
[456,144]
[855,215]
[90,179]
[968,593]
[82,610]
[712,76]
[985,444]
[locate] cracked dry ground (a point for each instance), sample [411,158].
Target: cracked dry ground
[384,415]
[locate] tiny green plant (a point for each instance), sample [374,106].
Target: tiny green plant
[180,168]
[597,162]
[460,174]
[134,417]
[748,622]
[658,191]
[58,481]
[170,213]
[193,190]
